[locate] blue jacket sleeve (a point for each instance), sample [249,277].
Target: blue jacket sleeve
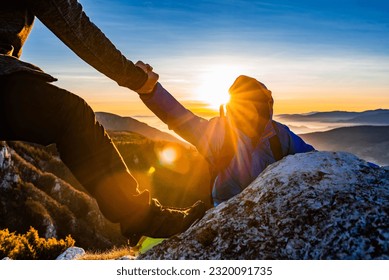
[206,135]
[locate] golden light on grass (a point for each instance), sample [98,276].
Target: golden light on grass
[215,82]
[112,254]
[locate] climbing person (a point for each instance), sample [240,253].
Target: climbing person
[240,143]
[33,109]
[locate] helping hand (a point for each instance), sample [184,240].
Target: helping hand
[152,79]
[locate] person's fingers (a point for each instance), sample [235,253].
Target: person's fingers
[154,76]
[145,67]
[149,68]
[141,65]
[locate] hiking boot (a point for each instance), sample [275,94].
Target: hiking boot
[166,221]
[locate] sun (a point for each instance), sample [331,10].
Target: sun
[214,83]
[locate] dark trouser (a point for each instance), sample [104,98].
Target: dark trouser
[36,111]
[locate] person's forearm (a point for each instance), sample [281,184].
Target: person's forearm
[206,135]
[66,19]
[177,117]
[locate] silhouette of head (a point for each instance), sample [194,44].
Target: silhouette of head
[250,106]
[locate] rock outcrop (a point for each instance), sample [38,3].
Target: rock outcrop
[71,253]
[36,189]
[318,205]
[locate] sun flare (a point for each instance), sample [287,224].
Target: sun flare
[214,84]
[168,155]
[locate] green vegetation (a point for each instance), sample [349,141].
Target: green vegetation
[148,243]
[30,246]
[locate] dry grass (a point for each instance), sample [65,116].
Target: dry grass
[113,254]
[145,243]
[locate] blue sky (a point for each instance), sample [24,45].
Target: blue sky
[313,55]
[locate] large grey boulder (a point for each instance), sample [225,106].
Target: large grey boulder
[319,205]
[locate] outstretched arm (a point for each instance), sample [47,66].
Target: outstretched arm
[66,19]
[179,119]
[206,135]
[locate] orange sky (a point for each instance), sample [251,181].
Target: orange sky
[206,90]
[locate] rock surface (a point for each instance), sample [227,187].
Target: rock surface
[319,205]
[36,189]
[71,253]
[127,258]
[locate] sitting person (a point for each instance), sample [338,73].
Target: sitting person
[33,109]
[238,145]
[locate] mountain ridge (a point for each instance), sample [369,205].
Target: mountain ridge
[115,122]
[368,142]
[379,116]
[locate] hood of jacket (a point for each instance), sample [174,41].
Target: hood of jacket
[250,108]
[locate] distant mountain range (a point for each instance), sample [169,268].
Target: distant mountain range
[378,117]
[368,142]
[117,123]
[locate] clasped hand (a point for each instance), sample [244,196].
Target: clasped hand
[152,78]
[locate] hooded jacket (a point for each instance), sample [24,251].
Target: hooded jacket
[209,137]
[66,19]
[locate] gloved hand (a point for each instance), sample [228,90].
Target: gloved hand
[152,79]
[165,221]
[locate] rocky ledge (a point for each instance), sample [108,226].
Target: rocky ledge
[320,205]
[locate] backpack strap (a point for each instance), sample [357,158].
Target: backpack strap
[227,151]
[275,144]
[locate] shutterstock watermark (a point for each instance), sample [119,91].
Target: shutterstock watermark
[139,271]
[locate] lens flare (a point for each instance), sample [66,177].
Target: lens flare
[168,155]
